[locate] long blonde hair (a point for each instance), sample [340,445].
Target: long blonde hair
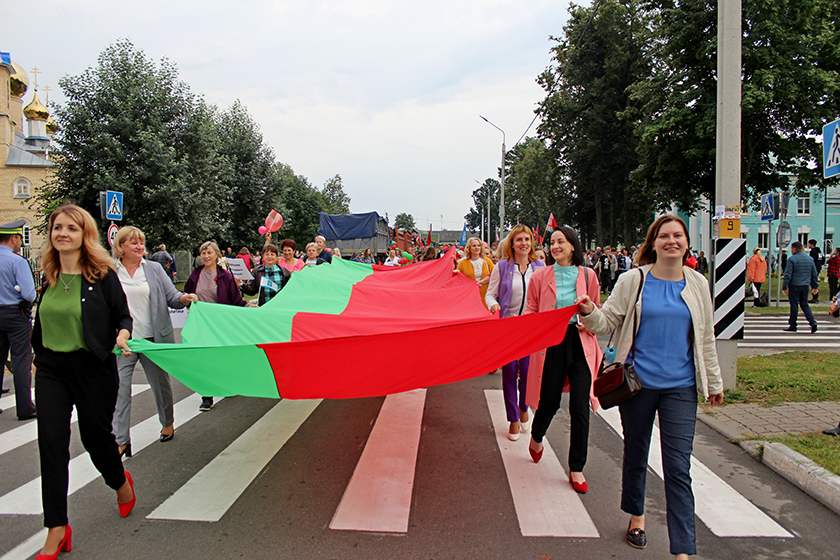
[757,251]
[94,260]
[509,251]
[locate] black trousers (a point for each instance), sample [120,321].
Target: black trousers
[64,380]
[562,362]
[15,330]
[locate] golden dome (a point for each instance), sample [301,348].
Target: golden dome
[19,81]
[35,110]
[52,126]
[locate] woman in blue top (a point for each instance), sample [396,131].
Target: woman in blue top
[675,358]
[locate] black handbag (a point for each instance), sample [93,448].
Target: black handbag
[617,382]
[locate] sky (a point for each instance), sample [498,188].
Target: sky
[386,94]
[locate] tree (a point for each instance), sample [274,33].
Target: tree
[335,199]
[131,125]
[299,203]
[404,221]
[534,184]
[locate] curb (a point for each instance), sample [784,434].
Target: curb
[814,480]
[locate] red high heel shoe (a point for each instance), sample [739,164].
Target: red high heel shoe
[65,546]
[536,455]
[125,509]
[580,487]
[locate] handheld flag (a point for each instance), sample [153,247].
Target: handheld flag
[552,223]
[429,238]
[268,283]
[464,235]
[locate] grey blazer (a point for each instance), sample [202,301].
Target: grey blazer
[163,295]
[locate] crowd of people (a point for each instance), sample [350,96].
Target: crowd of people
[656,304]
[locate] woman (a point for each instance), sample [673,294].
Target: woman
[540,254]
[576,359]
[245,255]
[367,257]
[312,258]
[82,313]
[430,254]
[393,259]
[150,294]
[336,252]
[675,357]
[476,266]
[507,294]
[289,260]
[213,284]
[757,273]
[271,270]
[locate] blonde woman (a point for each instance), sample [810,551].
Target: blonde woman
[507,295]
[82,315]
[757,273]
[476,266]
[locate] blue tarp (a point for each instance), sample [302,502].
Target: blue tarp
[348,226]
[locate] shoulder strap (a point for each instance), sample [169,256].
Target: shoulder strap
[635,315]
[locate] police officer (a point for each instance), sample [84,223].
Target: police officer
[17,293]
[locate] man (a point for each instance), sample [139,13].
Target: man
[784,259]
[800,272]
[605,269]
[17,293]
[164,259]
[834,272]
[322,251]
[817,257]
[702,263]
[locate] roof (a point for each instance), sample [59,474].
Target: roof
[19,157]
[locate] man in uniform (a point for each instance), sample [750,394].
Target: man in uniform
[17,293]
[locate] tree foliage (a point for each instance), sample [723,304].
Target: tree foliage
[336,200]
[534,185]
[404,221]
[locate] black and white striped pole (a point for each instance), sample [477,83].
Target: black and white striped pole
[730,269]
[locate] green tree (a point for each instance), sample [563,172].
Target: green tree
[404,221]
[299,203]
[131,125]
[335,199]
[534,184]
[488,193]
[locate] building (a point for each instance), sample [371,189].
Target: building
[24,156]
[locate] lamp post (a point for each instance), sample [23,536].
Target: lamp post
[502,201]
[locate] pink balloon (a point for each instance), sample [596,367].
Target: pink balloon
[262,230]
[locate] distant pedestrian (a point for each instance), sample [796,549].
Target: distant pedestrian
[757,274]
[164,259]
[702,263]
[817,257]
[800,272]
[834,272]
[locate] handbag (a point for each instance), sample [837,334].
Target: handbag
[617,382]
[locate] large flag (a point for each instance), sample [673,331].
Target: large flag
[552,223]
[304,342]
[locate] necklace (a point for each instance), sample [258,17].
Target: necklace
[67,284]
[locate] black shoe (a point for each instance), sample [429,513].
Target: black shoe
[4,391]
[790,329]
[167,437]
[28,417]
[813,301]
[636,538]
[126,451]
[206,404]
[813,329]
[832,431]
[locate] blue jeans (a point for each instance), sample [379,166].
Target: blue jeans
[798,297]
[677,410]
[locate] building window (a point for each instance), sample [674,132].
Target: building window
[803,205]
[26,236]
[22,188]
[803,238]
[764,240]
[829,243]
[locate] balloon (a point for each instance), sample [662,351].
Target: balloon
[403,261]
[406,254]
[273,221]
[410,257]
[263,230]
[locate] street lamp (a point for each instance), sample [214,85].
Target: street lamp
[502,201]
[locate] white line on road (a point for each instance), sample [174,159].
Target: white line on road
[546,504]
[378,497]
[724,511]
[214,489]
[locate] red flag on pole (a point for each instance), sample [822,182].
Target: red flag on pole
[552,223]
[429,238]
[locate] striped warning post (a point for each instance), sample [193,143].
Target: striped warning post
[730,270]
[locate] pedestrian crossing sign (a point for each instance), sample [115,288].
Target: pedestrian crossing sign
[767,207]
[831,149]
[113,205]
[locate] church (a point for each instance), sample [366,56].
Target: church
[25,163]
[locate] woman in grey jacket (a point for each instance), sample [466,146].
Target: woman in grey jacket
[674,355]
[150,294]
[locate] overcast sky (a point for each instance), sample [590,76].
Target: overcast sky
[385,93]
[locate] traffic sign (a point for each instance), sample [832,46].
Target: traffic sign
[831,149]
[113,205]
[768,207]
[112,234]
[783,235]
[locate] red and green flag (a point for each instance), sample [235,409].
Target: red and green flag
[348,330]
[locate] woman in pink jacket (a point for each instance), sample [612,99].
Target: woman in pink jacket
[572,364]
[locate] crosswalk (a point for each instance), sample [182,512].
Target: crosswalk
[379,496]
[766,332]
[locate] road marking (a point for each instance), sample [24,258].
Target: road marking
[26,499]
[27,548]
[8,409]
[378,497]
[546,504]
[724,511]
[214,489]
[14,438]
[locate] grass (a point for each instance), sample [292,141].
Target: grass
[822,449]
[787,377]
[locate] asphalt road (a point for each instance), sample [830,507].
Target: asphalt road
[461,503]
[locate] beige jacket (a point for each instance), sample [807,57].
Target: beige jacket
[618,312]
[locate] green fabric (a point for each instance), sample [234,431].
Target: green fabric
[61,316]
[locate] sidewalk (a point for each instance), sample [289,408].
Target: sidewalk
[748,424]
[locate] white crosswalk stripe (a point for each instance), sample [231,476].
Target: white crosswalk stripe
[767,332]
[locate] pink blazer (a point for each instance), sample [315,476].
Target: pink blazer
[542,296]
